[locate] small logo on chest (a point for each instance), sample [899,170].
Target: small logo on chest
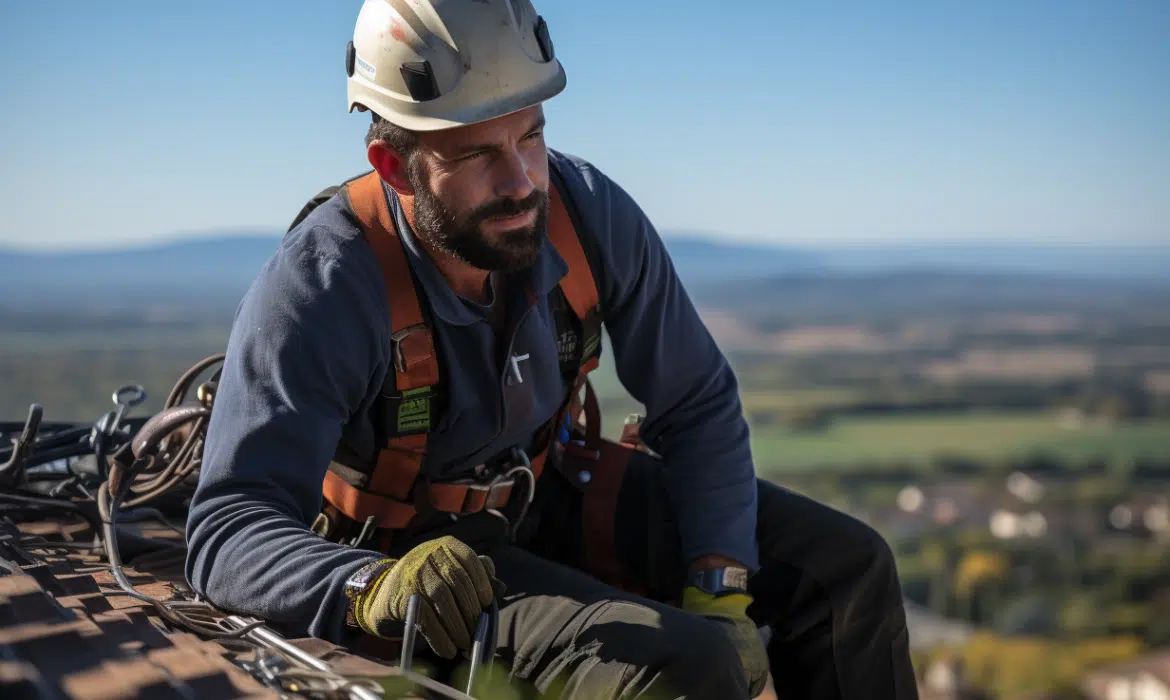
[514,376]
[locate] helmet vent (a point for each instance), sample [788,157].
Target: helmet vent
[420,80]
[545,41]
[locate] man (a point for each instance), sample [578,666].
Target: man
[462,204]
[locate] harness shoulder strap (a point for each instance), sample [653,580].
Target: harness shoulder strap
[579,285]
[579,290]
[414,364]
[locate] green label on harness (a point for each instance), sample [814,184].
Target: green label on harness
[414,413]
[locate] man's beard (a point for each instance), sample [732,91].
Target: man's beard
[461,238]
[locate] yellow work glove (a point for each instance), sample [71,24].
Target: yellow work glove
[455,585]
[729,611]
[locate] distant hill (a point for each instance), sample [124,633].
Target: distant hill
[715,258]
[818,297]
[212,271]
[215,271]
[704,259]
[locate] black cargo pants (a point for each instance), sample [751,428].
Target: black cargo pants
[827,587]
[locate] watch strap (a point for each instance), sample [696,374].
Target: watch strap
[724,579]
[356,586]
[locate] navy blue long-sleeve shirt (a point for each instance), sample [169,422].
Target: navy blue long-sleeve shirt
[308,354]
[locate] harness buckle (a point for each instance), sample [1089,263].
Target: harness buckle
[498,490]
[397,338]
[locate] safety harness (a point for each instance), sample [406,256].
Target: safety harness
[378,499]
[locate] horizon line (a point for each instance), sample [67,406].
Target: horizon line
[227,233]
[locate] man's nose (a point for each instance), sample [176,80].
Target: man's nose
[513,176]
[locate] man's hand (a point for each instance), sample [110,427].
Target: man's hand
[729,611]
[456,587]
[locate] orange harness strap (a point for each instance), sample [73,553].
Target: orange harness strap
[580,291]
[579,286]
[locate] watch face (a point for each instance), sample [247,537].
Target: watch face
[360,579]
[734,577]
[355,585]
[731,578]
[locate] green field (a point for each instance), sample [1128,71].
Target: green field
[73,380]
[916,438]
[976,435]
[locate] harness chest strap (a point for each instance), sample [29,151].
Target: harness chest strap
[394,483]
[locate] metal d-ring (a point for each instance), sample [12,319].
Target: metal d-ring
[125,398]
[523,468]
[136,393]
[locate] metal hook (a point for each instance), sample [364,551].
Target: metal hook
[22,447]
[367,530]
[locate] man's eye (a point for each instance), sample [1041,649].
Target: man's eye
[535,135]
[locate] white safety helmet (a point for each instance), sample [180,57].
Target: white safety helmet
[435,64]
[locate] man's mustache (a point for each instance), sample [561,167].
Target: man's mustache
[510,207]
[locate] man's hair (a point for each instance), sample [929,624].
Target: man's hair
[402,140]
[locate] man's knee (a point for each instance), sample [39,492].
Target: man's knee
[847,558]
[871,551]
[875,565]
[811,535]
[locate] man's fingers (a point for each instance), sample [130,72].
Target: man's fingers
[463,590]
[434,632]
[439,597]
[488,564]
[480,569]
[482,577]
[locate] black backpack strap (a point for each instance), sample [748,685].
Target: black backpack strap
[321,197]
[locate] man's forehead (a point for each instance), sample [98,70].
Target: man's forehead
[498,130]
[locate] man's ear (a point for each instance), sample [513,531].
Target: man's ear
[391,167]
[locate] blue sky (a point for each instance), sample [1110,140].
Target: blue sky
[812,123]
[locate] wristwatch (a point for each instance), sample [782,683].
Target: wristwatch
[358,582]
[725,579]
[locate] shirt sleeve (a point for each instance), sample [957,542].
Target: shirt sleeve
[302,356]
[667,360]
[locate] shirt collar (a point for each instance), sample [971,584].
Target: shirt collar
[544,274]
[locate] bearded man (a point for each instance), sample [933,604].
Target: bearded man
[414,351]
